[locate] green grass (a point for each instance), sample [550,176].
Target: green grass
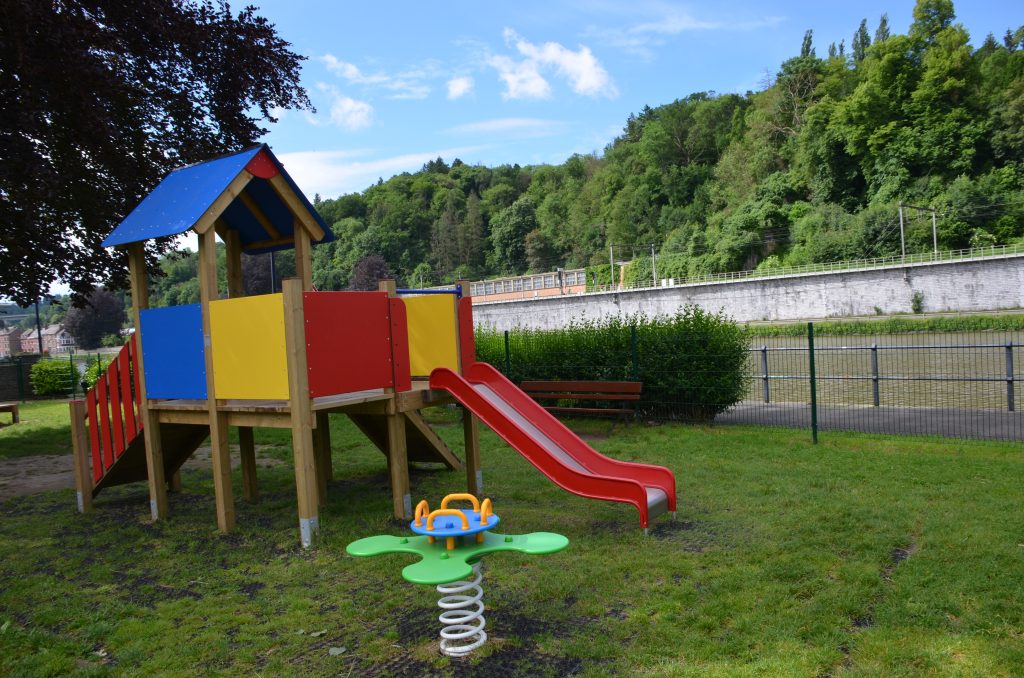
[861,556]
[44,429]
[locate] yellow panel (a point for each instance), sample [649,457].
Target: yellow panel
[249,357]
[431,333]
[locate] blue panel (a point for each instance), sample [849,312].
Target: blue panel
[172,352]
[185,194]
[180,199]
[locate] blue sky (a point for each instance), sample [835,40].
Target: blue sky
[398,83]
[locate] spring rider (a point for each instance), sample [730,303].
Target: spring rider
[450,544]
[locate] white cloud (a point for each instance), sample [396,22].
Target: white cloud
[515,127]
[523,78]
[405,85]
[581,67]
[459,87]
[640,39]
[344,111]
[335,173]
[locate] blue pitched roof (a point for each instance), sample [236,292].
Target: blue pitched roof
[184,195]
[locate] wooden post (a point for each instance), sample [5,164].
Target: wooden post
[218,421]
[247,452]
[301,413]
[303,256]
[322,445]
[236,288]
[398,450]
[470,426]
[150,422]
[80,452]
[398,464]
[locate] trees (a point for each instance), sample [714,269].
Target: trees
[102,315]
[110,96]
[368,271]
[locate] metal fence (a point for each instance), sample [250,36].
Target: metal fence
[954,384]
[16,375]
[951,384]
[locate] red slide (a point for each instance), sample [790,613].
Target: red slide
[555,450]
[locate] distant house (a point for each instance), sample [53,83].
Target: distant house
[56,340]
[10,341]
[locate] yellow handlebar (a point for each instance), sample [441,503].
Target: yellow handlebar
[447,512]
[462,496]
[422,511]
[486,511]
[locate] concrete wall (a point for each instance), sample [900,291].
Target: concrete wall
[962,286]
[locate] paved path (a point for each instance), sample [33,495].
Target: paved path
[938,421]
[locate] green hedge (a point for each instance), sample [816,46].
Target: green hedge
[693,365]
[898,325]
[52,377]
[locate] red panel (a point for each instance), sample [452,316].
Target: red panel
[137,374]
[130,431]
[94,435]
[262,166]
[347,342]
[400,346]
[115,409]
[467,347]
[102,401]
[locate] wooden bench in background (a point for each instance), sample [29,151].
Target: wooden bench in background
[13,409]
[621,396]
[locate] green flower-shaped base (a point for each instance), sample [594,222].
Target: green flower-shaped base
[438,565]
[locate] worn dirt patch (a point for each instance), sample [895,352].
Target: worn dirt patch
[23,476]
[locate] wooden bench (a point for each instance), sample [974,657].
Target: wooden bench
[621,396]
[13,409]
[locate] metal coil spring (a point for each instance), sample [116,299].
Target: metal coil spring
[463,616]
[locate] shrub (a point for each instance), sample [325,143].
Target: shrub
[93,372]
[693,365]
[52,377]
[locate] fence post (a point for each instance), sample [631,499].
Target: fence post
[508,357]
[74,372]
[874,372]
[814,389]
[764,369]
[21,379]
[633,352]
[1009,376]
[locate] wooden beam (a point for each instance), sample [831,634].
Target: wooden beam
[233,245]
[301,413]
[322,443]
[263,244]
[150,423]
[174,484]
[247,452]
[398,466]
[303,257]
[80,452]
[214,211]
[297,207]
[221,456]
[258,214]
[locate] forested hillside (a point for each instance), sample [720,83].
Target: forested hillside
[810,169]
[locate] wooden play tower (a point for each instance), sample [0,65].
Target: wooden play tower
[285,360]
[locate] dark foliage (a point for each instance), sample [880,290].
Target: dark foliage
[368,271]
[104,97]
[102,315]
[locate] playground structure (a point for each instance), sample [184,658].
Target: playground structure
[291,359]
[448,564]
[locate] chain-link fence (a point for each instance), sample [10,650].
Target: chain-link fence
[953,384]
[57,376]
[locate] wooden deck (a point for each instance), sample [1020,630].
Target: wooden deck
[277,413]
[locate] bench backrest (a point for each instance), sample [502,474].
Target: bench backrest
[610,390]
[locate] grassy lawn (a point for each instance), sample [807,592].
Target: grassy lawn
[862,556]
[43,430]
